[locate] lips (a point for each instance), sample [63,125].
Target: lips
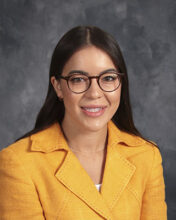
[93,110]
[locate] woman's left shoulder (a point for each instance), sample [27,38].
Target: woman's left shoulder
[140,151]
[155,151]
[150,147]
[148,153]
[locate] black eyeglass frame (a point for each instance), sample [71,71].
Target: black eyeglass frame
[90,79]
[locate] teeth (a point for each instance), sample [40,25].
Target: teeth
[93,109]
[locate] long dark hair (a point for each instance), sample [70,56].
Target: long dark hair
[53,109]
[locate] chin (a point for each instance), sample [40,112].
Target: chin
[94,125]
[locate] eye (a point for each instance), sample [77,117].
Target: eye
[78,79]
[109,77]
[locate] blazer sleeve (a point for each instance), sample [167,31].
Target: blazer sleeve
[18,196]
[153,205]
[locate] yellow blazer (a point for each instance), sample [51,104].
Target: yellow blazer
[41,178]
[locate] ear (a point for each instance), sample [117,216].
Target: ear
[57,87]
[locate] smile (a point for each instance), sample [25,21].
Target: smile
[93,111]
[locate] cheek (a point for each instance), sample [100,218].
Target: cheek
[115,99]
[67,94]
[70,99]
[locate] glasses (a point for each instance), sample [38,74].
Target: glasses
[79,81]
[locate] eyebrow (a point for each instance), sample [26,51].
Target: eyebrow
[87,74]
[78,71]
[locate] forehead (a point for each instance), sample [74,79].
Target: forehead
[90,59]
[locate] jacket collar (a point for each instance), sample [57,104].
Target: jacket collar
[49,139]
[52,138]
[115,135]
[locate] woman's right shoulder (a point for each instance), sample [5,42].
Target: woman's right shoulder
[41,141]
[21,146]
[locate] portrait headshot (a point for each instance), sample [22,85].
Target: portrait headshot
[87,110]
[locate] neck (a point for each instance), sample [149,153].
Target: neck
[85,141]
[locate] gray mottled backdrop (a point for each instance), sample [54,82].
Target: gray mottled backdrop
[146,32]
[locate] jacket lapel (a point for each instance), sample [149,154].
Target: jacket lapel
[118,169]
[117,174]
[76,179]
[70,172]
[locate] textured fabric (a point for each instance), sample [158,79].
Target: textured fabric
[41,178]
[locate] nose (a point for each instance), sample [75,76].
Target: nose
[94,90]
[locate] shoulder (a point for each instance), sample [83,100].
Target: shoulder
[143,154]
[20,146]
[12,155]
[39,140]
[35,147]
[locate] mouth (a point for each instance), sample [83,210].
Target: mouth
[93,110]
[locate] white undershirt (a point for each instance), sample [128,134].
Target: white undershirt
[98,186]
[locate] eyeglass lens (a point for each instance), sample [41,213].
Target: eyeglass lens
[108,81]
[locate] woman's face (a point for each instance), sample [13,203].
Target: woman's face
[92,109]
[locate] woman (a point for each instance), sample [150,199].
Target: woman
[84,160]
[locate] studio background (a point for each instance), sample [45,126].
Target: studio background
[146,33]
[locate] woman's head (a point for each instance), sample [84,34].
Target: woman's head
[90,88]
[73,41]
[78,39]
